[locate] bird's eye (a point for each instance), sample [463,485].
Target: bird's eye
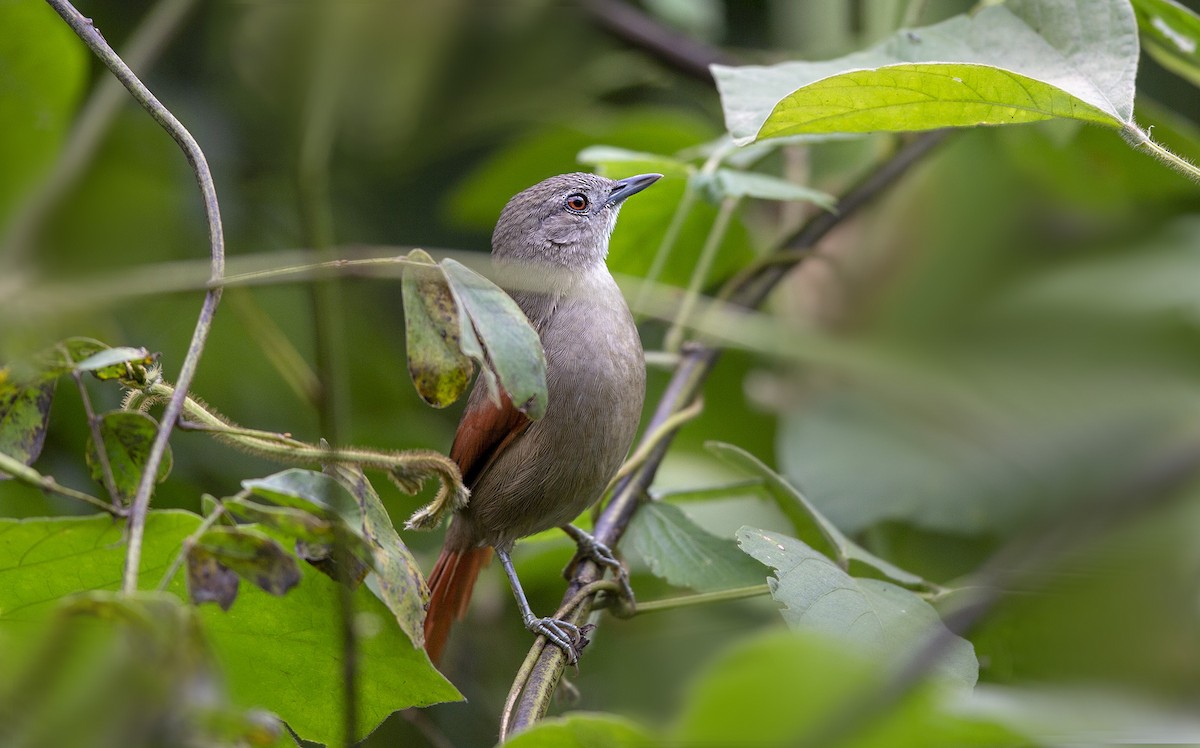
[577,203]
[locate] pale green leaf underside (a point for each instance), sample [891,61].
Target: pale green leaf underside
[810,525]
[881,618]
[990,68]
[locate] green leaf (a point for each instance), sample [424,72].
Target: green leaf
[307,490]
[684,554]
[732,183]
[583,730]
[45,67]
[320,496]
[511,348]
[122,666]
[789,688]
[1053,58]
[612,160]
[24,417]
[439,369]
[811,526]
[295,523]
[62,357]
[252,555]
[127,436]
[278,653]
[397,580]
[877,616]
[1171,35]
[110,362]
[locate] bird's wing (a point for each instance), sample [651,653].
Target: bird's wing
[485,431]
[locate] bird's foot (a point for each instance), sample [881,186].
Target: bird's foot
[562,634]
[587,547]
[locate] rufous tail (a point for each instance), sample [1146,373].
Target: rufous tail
[451,581]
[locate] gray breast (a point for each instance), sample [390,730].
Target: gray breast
[596,384]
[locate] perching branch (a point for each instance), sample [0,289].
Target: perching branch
[697,359]
[86,30]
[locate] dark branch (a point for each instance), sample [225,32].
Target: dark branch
[631,25]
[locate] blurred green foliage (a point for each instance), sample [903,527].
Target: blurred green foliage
[1003,349]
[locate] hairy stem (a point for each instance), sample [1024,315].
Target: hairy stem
[1141,140]
[22,473]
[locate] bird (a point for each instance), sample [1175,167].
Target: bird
[525,475]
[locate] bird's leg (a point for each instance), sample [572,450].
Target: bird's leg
[590,548]
[562,634]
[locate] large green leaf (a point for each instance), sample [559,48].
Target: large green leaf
[683,553]
[1171,33]
[43,71]
[811,526]
[128,670]
[583,730]
[784,688]
[280,653]
[879,617]
[1004,65]
[504,344]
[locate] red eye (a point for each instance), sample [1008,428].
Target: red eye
[577,203]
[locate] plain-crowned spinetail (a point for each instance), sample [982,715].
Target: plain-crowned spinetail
[527,476]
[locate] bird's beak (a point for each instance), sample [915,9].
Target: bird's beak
[631,186]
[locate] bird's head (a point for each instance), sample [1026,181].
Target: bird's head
[564,220]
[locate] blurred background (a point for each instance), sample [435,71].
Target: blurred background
[1009,340]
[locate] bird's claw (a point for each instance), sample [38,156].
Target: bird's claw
[562,634]
[590,548]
